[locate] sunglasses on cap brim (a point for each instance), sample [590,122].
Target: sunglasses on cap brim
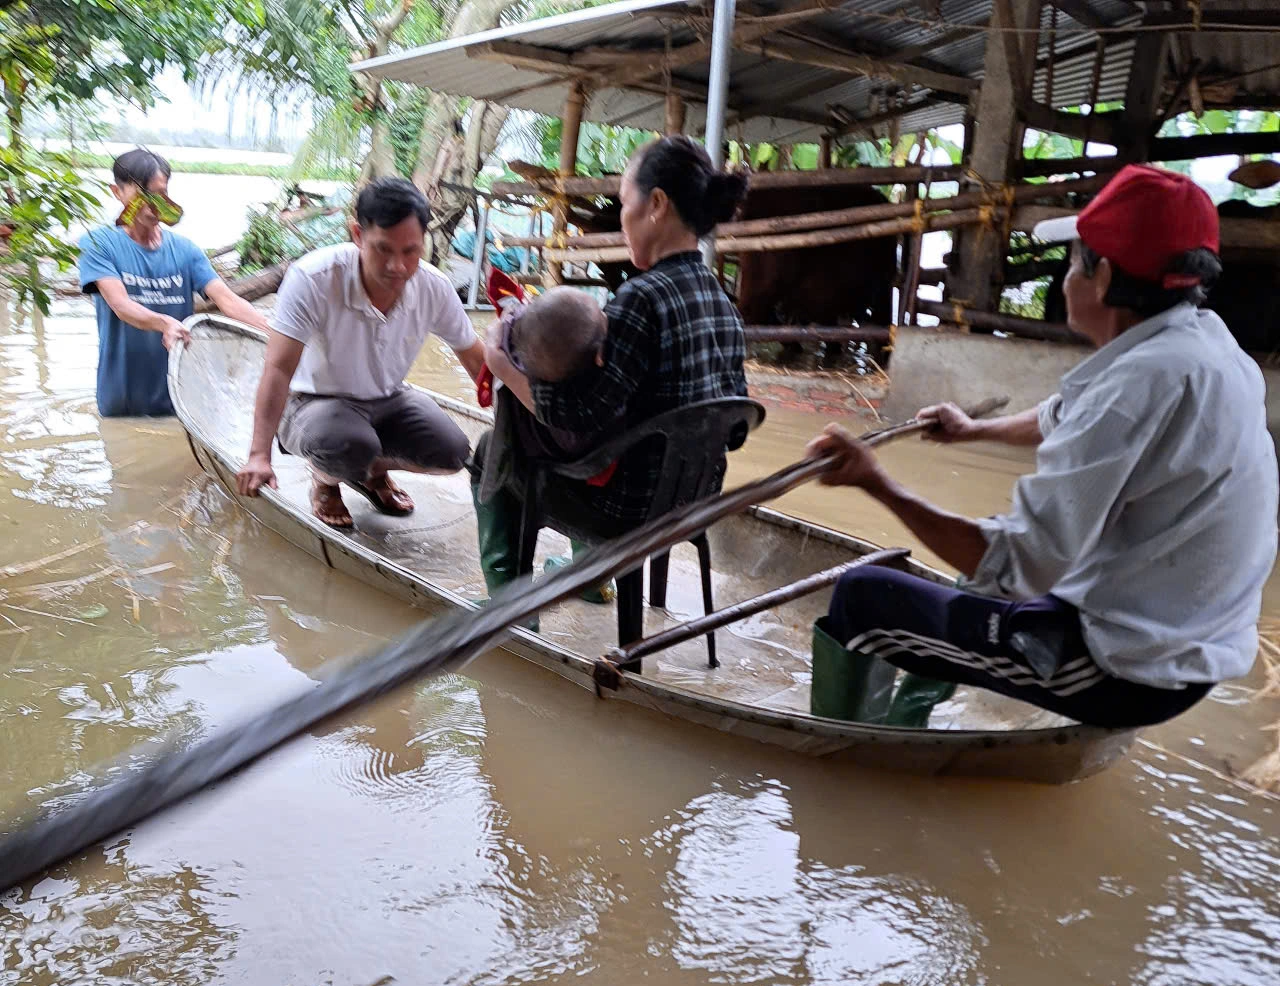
[167,210]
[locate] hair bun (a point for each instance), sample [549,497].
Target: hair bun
[725,194]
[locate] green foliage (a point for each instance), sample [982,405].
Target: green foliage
[114,47]
[1026,300]
[882,152]
[602,149]
[84,159]
[38,206]
[263,243]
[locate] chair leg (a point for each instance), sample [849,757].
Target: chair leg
[658,580]
[631,612]
[704,563]
[530,524]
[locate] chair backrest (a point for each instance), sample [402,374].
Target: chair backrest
[694,440]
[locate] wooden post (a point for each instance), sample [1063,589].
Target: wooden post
[553,272]
[979,253]
[824,152]
[674,123]
[1141,100]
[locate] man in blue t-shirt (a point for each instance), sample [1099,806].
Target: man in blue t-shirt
[144,279]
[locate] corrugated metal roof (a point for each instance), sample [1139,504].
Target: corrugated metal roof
[784,101]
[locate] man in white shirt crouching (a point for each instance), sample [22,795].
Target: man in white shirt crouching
[348,324]
[1126,579]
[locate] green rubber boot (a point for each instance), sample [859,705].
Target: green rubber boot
[915,699]
[497,527]
[601,594]
[846,684]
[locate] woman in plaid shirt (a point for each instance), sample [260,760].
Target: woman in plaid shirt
[674,339]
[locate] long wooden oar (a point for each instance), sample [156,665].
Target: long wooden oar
[749,607]
[434,646]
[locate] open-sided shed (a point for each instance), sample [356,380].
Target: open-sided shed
[825,71]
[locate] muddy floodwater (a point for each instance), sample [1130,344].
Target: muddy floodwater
[501,826]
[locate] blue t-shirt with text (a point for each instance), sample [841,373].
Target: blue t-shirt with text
[132,362]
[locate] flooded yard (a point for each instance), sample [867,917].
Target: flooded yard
[502,827]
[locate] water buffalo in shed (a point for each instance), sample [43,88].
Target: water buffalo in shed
[1246,295]
[835,284]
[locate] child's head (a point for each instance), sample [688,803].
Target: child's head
[559,335]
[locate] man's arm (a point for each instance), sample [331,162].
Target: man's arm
[500,366]
[283,354]
[233,306]
[472,358]
[953,425]
[957,540]
[117,297]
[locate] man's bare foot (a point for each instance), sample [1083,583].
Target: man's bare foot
[385,495]
[327,505]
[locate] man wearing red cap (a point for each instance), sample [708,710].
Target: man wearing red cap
[1126,579]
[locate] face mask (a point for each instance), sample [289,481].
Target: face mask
[168,211]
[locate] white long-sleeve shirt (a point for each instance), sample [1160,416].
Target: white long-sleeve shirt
[1153,506]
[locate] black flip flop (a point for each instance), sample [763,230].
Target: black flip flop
[378,503]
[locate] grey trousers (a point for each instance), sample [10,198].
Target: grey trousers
[342,436]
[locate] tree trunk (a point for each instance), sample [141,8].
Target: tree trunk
[447,153]
[381,159]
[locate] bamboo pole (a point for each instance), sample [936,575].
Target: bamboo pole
[794,241]
[907,247]
[840,217]
[1023,328]
[553,273]
[608,185]
[675,114]
[749,607]
[913,273]
[817,333]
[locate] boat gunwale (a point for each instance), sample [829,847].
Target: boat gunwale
[1080,734]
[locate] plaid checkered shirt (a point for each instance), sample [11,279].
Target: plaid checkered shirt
[674,339]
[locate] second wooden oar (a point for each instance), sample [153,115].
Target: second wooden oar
[749,607]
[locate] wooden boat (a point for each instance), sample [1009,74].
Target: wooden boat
[761,689]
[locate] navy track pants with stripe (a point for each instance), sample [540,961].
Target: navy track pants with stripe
[1031,650]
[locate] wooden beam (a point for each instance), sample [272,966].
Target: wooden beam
[977,268]
[1048,191]
[1098,127]
[1162,149]
[748,32]
[788,241]
[949,37]
[1024,328]
[608,185]
[574,104]
[1142,93]
[673,115]
[540,59]
[852,63]
[1224,20]
[1081,12]
[865,123]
